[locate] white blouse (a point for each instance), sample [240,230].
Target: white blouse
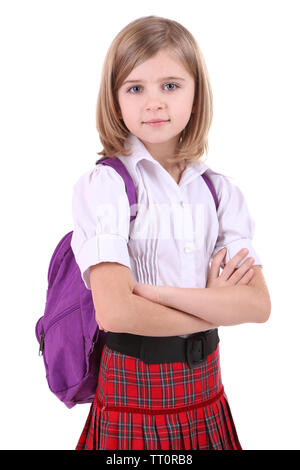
[177,229]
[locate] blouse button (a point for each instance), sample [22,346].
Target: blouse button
[187,249]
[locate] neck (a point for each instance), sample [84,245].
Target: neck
[164,151]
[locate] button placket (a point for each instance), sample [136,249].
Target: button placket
[189,246]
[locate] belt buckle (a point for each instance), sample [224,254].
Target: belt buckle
[195,351]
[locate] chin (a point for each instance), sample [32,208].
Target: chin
[157,137]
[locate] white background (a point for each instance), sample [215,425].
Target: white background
[51,59]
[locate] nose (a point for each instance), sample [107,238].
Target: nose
[154,105]
[154,102]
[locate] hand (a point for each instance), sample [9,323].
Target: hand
[230,275]
[147,291]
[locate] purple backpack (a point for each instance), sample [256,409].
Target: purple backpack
[70,340]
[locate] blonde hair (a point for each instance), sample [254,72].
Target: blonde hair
[134,44]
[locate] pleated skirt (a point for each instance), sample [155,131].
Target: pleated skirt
[166,406]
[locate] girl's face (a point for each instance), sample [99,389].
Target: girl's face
[159,88]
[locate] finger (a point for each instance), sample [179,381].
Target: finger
[247,277]
[232,264]
[216,263]
[242,270]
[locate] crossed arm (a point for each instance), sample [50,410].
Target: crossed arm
[224,306]
[122,309]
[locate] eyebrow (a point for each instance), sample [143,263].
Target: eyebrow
[160,79]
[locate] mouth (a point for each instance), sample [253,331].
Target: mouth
[156,122]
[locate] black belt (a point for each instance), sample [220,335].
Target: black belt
[158,349]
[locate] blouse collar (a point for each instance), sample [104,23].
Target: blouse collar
[140,152]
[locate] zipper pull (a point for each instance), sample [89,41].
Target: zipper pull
[92,347]
[42,344]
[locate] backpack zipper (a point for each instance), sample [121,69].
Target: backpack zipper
[94,341]
[51,323]
[42,344]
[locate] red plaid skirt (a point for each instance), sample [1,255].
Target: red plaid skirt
[167,406]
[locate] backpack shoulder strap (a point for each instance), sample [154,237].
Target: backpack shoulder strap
[129,184]
[211,188]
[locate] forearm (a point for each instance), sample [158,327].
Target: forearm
[141,316]
[224,306]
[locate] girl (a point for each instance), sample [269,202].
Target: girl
[160,383]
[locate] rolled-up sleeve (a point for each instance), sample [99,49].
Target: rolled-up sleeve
[236,225]
[101,216]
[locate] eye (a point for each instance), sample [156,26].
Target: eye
[135,86]
[174,84]
[166,84]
